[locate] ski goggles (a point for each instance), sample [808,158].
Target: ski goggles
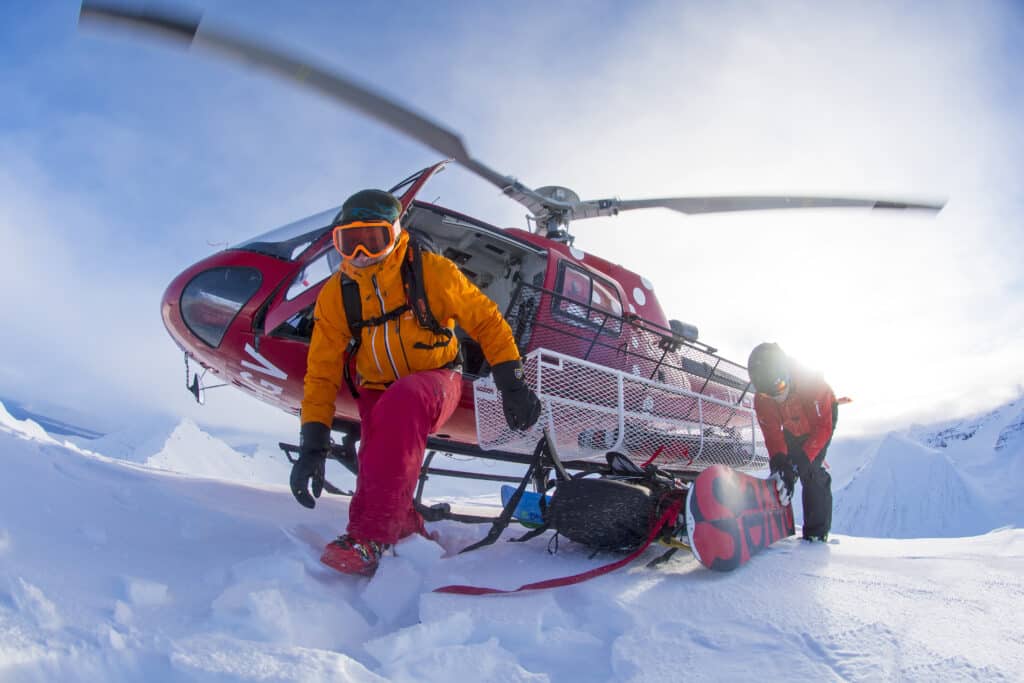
[777,387]
[371,238]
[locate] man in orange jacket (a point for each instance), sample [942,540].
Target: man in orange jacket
[410,378]
[797,412]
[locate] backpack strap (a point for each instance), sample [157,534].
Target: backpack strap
[416,295]
[354,315]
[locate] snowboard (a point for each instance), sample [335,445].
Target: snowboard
[731,516]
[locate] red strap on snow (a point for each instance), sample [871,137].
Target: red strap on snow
[669,514]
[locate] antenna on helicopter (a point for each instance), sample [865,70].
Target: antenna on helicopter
[195,386]
[552,207]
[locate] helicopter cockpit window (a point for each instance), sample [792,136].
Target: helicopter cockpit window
[314,273]
[212,299]
[288,242]
[588,301]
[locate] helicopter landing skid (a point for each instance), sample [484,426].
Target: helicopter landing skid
[538,473]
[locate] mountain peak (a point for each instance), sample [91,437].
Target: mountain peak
[906,489]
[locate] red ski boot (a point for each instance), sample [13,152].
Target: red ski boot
[350,556]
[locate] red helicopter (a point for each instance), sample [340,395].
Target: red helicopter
[613,372]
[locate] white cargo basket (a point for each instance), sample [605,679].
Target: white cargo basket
[591,409]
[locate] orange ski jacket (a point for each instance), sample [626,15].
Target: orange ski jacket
[807,414]
[388,351]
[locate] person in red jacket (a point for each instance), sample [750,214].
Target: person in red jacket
[797,412]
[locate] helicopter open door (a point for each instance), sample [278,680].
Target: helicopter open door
[495,260]
[290,315]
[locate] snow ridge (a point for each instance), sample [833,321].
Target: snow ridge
[1012,435]
[948,434]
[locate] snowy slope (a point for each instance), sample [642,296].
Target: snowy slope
[908,490]
[114,571]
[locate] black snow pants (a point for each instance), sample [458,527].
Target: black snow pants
[817,497]
[816,483]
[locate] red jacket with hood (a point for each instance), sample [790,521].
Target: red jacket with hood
[807,413]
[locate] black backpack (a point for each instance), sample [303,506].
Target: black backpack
[620,510]
[616,511]
[625,509]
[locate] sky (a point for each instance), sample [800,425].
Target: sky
[126,160]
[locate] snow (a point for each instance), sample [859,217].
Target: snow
[166,567]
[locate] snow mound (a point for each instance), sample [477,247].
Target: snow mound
[188,449]
[908,490]
[26,429]
[183,446]
[135,442]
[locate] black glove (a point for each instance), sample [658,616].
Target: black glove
[522,407]
[801,463]
[785,473]
[799,459]
[314,445]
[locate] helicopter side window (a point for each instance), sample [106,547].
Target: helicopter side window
[314,273]
[588,301]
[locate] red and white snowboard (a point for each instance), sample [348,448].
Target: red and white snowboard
[730,516]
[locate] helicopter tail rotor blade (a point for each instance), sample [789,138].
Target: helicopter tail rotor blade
[696,205]
[341,89]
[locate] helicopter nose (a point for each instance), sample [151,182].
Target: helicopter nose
[202,302]
[170,311]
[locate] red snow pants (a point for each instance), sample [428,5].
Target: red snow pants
[395,425]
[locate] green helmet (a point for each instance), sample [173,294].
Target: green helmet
[370,205]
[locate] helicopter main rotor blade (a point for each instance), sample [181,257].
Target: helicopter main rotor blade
[696,205]
[186,29]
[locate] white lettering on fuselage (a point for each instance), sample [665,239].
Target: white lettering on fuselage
[265,367]
[263,385]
